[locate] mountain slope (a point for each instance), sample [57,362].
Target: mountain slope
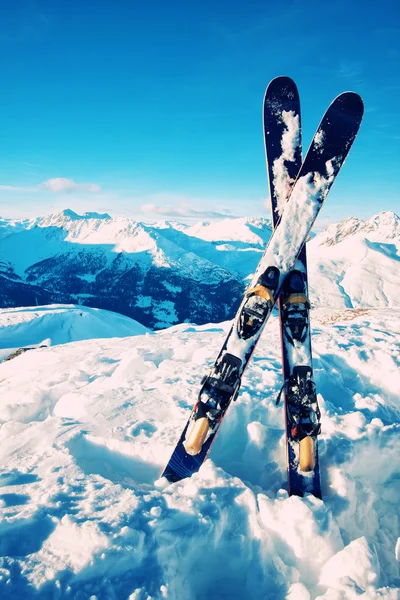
[356,263]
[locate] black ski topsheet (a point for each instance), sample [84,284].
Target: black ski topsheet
[283,149]
[324,159]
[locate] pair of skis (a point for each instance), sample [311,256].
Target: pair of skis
[298,192]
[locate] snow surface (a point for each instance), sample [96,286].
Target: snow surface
[86,428]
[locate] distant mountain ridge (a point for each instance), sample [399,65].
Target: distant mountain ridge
[386,226]
[154,274]
[167,272]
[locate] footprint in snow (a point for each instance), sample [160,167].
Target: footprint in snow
[98,459]
[17,478]
[147,428]
[7,500]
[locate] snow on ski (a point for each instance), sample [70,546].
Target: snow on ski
[220,387]
[282,134]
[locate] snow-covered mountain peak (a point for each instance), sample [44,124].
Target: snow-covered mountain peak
[251,230]
[336,232]
[197,228]
[386,223]
[96,228]
[67,219]
[383,226]
[10,226]
[70,214]
[164,224]
[57,219]
[73,216]
[126,235]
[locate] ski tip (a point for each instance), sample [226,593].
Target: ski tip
[281,80]
[280,87]
[350,102]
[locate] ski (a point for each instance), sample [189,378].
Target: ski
[220,387]
[282,135]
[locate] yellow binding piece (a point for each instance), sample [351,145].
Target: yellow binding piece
[194,443]
[296,298]
[262,291]
[307,454]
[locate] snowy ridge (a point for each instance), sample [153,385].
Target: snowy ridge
[250,230]
[67,219]
[167,273]
[157,275]
[383,226]
[87,427]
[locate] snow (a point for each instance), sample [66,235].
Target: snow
[87,426]
[171,288]
[319,139]
[358,561]
[289,143]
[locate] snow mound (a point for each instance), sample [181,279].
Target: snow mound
[60,324]
[87,428]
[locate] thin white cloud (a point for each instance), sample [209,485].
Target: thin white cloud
[62,184]
[18,188]
[49,196]
[182,211]
[57,185]
[29,164]
[351,69]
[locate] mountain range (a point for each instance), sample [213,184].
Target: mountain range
[168,272]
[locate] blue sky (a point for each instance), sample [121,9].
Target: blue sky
[153,109]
